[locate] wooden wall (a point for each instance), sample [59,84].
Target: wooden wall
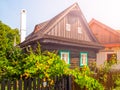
[74,21]
[74,53]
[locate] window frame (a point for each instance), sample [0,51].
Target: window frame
[68,27]
[81,58]
[79,29]
[63,52]
[109,56]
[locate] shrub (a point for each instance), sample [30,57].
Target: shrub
[46,65]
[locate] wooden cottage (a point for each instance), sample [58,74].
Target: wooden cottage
[109,38]
[69,34]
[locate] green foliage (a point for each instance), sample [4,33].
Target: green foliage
[44,64]
[11,66]
[7,36]
[7,51]
[101,72]
[84,80]
[47,65]
[104,72]
[117,83]
[116,79]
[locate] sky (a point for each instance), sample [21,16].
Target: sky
[105,11]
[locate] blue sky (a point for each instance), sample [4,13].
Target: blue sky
[106,11]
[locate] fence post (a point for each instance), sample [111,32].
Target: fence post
[69,82]
[55,80]
[14,85]
[34,83]
[38,84]
[20,84]
[3,85]
[25,84]
[9,85]
[29,84]
[65,82]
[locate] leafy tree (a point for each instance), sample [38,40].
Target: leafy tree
[7,37]
[7,50]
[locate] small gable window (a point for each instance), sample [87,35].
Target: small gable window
[79,30]
[65,55]
[68,27]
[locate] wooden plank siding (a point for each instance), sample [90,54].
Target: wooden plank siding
[74,53]
[60,29]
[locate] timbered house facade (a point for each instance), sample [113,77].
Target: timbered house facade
[109,38]
[69,34]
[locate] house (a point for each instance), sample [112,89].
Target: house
[69,34]
[109,38]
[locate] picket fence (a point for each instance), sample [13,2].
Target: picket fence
[59,83]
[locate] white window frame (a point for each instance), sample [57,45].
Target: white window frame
[68,27]
[79,30]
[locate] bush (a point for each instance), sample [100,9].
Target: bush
[46,65]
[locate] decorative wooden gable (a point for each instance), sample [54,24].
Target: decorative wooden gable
[70,24]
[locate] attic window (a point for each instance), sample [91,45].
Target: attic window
[68,27]
[80,30]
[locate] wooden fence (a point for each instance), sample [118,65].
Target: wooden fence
[58,83]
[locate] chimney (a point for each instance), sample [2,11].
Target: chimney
[22,25]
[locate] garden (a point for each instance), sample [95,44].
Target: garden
[48,65]
[37,70]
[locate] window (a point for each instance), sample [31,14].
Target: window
[68,27]
[79,30]
[83,58]
[65,55]
[111,57]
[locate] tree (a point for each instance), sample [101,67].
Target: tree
[7,49]
[7,37]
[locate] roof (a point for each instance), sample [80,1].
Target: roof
[43,28]
[98,27]
[109,29]
[118,31]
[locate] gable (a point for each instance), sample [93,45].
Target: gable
[70,27]
[103,33]
[78,27]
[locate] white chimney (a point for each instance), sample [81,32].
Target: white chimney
[22,25]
